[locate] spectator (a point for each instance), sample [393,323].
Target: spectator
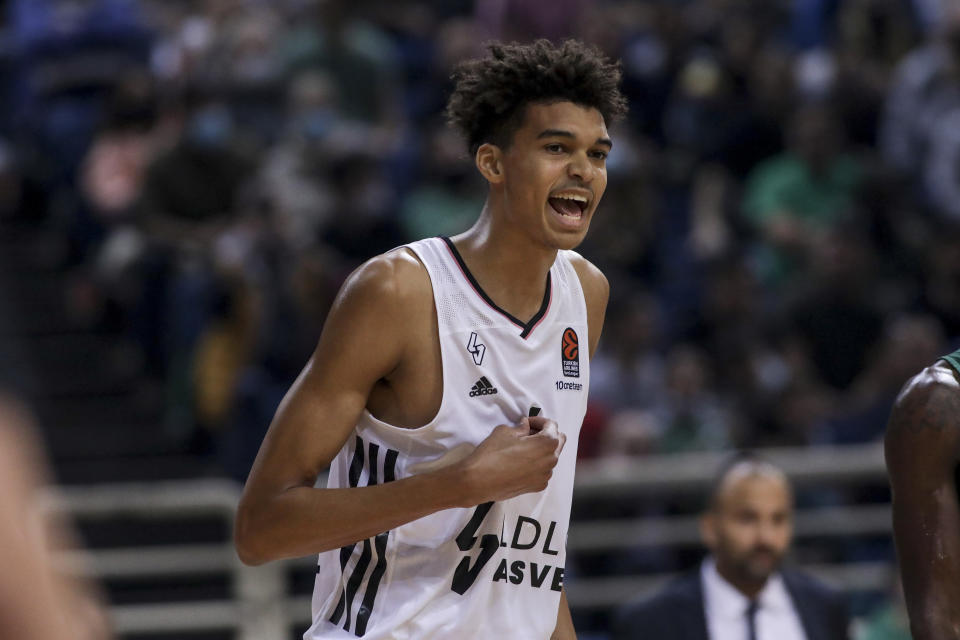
[334,37]
[441,202]
[294,171]
[923,90]
[940,178]
[741,590]
[908,343]
[835,312]
[189,200]
[794,199]
[630,372]
[941,269]
[693,417]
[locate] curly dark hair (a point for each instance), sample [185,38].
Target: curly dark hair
[490,94]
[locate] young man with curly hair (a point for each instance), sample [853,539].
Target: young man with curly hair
[448,380]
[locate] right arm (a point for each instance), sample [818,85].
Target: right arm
[922,450]
[281,514]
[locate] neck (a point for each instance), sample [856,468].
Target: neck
[510,267]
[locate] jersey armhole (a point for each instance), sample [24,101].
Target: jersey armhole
[374,420]
[569,255]
[952,360]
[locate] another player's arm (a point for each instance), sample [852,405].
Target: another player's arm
[38,600]
[922,447]
[364,340]
[596,292]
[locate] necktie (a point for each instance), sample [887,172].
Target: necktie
[752,620]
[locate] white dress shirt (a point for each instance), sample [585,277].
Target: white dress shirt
[726,609]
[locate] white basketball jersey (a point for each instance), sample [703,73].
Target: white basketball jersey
[493,571]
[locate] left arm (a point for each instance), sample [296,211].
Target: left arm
[564,629]
[596,292]
[922,447]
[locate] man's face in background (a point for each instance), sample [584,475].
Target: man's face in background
[749,527]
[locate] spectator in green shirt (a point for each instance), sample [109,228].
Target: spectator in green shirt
[795,198]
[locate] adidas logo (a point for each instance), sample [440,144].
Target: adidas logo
[482,388]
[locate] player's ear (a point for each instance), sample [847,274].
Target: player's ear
[489,160]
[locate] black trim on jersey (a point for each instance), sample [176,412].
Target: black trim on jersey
[349,592]
[390,465]
[356,466]
[366,606]
[356,578]
[526,326]
[374,456]
[380,542]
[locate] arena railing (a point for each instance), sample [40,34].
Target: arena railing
[262,609]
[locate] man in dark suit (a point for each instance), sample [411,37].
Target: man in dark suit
[740,592]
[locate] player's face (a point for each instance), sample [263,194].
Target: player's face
[555,172]
[750,529]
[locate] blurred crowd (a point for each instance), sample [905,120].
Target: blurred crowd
[781,230]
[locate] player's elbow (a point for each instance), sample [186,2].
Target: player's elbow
[247,551]
[248,538]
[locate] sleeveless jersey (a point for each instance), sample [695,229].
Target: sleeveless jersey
[953,359]
[492,571]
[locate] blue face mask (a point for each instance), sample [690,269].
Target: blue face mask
[210,127]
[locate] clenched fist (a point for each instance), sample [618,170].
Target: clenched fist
[513,460]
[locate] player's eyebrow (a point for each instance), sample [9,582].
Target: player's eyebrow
[560,133]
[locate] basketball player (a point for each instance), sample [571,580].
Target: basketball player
[922,447]
[447,380]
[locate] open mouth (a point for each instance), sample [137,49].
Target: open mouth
[569,205]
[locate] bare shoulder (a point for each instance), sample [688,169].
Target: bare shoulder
[596,288]
[367,334]
[394,277]
[930,400]
[923,433]
[374,319]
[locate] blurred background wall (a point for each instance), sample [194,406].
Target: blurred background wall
[184,184]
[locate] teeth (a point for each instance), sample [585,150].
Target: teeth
[575,198]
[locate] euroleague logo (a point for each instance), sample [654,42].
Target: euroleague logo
[570,353]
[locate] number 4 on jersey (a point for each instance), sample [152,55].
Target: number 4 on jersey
[476,349]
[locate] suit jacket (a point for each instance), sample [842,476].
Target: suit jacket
[677,612]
